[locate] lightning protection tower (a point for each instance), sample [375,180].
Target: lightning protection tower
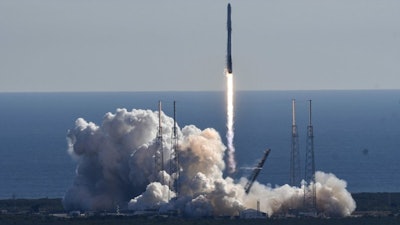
[310,202]
[159,156]
[175,155]
[294,153]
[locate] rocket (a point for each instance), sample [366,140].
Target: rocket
[228,49]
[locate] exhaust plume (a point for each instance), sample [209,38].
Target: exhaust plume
[116,169]
[229,123]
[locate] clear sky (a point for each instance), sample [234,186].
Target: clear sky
[180,45]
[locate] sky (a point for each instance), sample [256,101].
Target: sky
[180,45]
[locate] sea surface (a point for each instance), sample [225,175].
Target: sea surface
[356,133]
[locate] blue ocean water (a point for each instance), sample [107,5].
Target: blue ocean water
[356,133]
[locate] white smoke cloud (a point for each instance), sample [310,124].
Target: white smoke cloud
[332,196]
[155,196]
[116,166]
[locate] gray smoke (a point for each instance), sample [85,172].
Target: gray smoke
[116,167]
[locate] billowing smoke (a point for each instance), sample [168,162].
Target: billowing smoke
[116,168]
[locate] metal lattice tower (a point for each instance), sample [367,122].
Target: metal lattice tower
[176,154]
[159,156]
[294,153]
[310,194]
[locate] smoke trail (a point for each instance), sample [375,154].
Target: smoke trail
[229,123]
[116,168]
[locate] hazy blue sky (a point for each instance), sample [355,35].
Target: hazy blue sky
[125,45]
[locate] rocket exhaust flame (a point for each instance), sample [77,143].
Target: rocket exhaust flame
[229,123]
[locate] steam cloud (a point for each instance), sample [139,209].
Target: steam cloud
[116,167]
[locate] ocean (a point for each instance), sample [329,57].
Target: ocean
[356,133]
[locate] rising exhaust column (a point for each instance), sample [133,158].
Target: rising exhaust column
[228,49]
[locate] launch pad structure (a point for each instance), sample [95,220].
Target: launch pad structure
[256,171]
